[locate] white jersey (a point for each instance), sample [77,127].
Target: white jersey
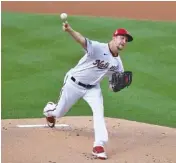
[97,63]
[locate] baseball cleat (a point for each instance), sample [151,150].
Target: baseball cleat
[47,111]
[99,153]
[51,121]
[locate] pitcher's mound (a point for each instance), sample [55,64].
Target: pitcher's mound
[72,139]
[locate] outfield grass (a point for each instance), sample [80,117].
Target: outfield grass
[36,54]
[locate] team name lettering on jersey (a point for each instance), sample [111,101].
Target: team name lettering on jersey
[101,64]
[113,68]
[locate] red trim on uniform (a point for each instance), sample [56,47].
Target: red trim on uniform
[113,54]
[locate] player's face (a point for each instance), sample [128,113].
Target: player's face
[120,42]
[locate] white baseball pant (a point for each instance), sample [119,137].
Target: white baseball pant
[71,93]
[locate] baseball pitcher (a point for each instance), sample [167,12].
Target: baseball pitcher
[83,81]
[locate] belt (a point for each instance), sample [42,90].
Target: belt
[88,86]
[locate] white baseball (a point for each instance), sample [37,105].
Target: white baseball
[63,16]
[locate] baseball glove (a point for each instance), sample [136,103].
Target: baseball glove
[121,80]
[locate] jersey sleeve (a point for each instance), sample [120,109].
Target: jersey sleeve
[92,47]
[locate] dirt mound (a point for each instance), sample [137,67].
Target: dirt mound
[129,142]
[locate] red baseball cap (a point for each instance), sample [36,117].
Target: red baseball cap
[123,32]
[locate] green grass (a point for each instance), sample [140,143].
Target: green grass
[36,54]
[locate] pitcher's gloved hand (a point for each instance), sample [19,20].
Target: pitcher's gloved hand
[121,80]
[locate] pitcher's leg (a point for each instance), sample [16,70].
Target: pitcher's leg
[68,97]
[95,100]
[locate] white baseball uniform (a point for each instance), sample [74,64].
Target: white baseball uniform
[97,63]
